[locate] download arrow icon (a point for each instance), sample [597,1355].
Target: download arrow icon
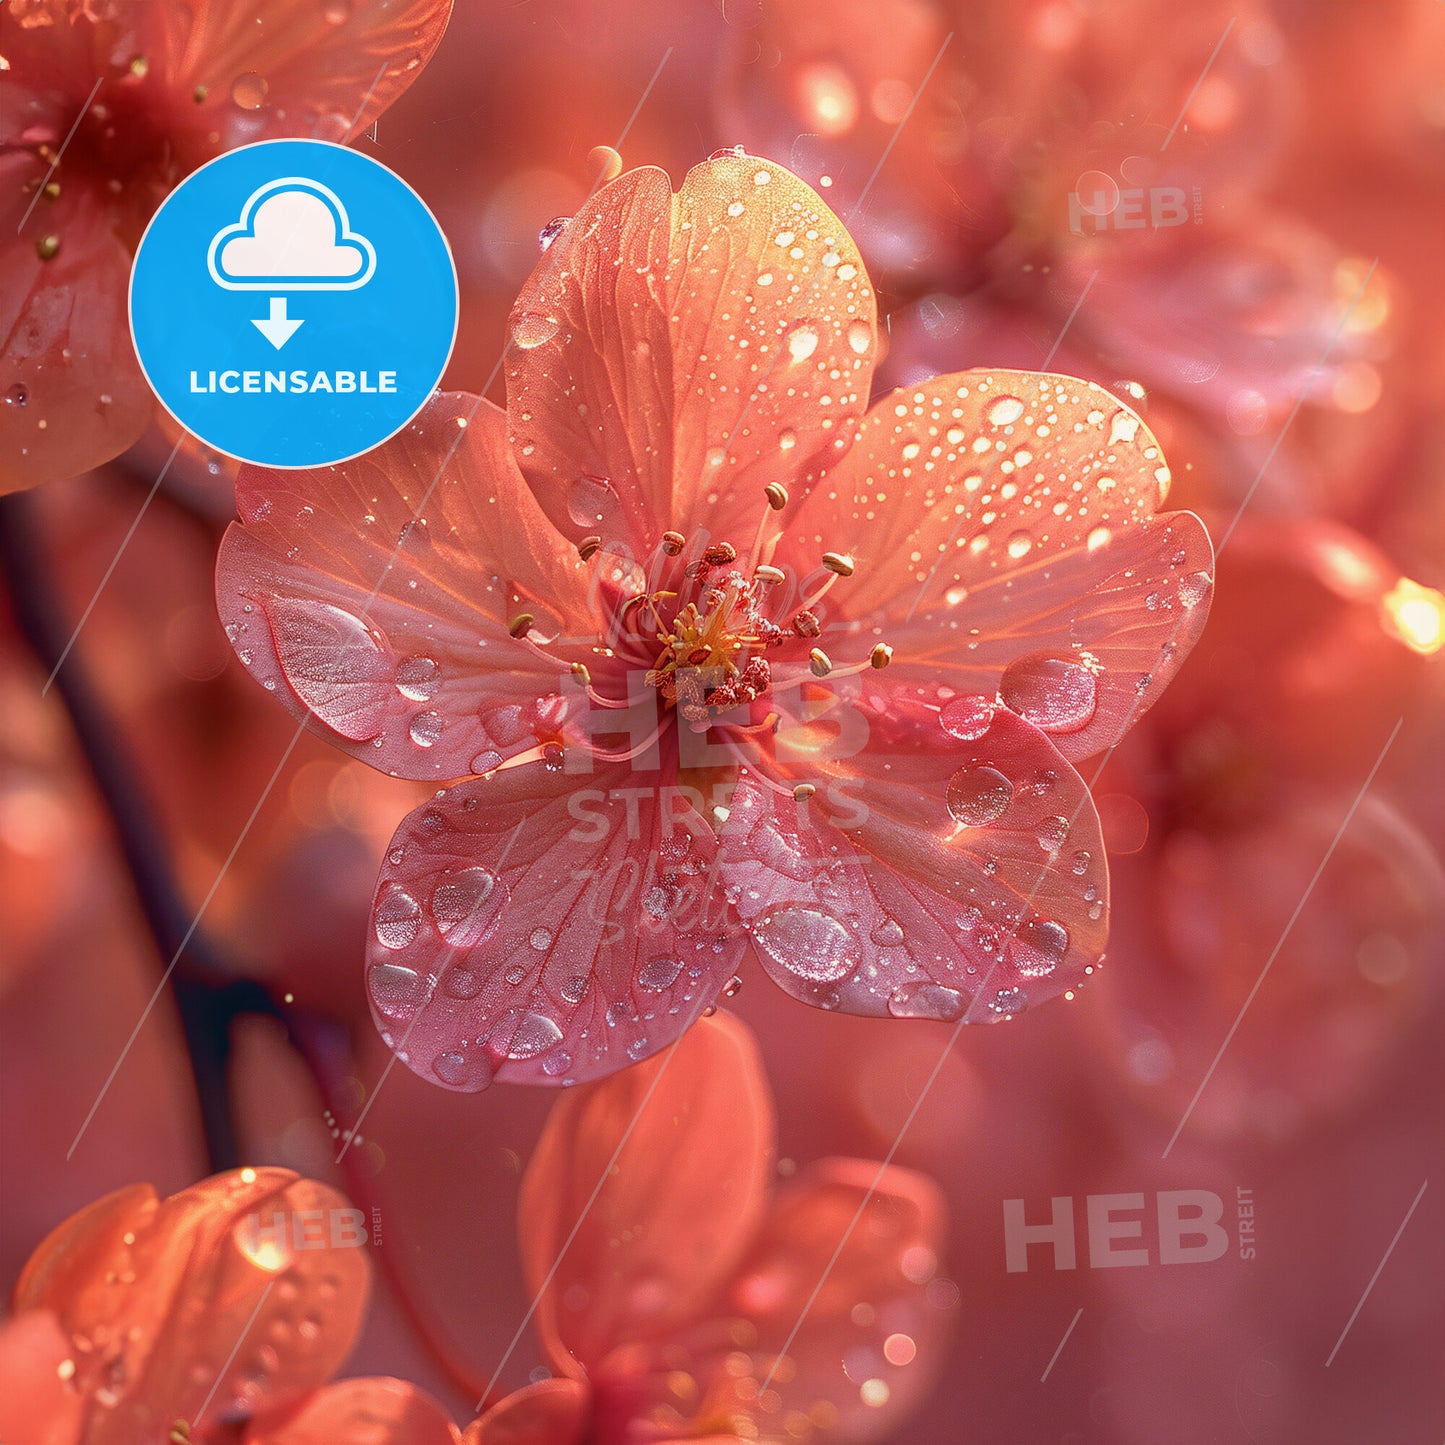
[277,328]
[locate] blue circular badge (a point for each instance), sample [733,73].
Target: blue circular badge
[293,303]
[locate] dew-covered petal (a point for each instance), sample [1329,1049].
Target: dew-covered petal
[551,1412]
[685,1144]
[369,1411]
[546,927]
[1005,542]
[72,395]
[870,1344]
[40,1403]
[946,865]
[672,355]
[423,679]
[162,1291]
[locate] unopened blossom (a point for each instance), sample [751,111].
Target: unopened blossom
[733,668]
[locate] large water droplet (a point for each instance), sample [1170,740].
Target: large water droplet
[551,231]
[979,795]
[486,761]
[1053,693]
[591,500]
[397,917]
[1005,410]
[249,90]
[396,991]
[417,678]
[802,340]
[1008,1001]
[860,336]
[1039,947]
[467,906]
[426,729]
[531,329]
[524,1036]
[967,718]
[808,942]
[657,975]
[1194,588]
[925,1001]
[470,1071]
[333,663]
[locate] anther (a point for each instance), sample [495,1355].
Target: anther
[580,672]
[720,554]
[768,574]
[521,624]
[673,543]
[882,655]
[588,545]
[839,562]
[777,495]
[806,625]
[803,792]
[820,663]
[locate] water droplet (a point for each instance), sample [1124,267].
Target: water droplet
[1008,1001]
[979,795]
[463,1071]
[540,939]
[762,178]
[397,917]
[925,1001]
[17,395]
[787,439]
[888,934]
[551,231]
[967,718]
[735,208]
[591,500]
[657,975]
[557,1062]
[661,899]
[860,336]
[1123,428]
[485,762]
[417,678]
[462,983]
[802,341]
[1019,544]
[808,942]
[1053,693]
[1194,588]
[333,663]
[531,329]
[525,1036]
[1005,410]
[575,989]
[468,905]
[395,990]
[1039,947]
[1081,861]
[426,729]
[249,90]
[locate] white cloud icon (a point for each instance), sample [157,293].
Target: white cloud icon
[293,235]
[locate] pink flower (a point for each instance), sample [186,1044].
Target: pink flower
[669,1315]
[107,107]
[738,671]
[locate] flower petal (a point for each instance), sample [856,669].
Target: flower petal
[867,1368]
[388,632]
[1003,531]
[249,72]
[551,1412]
[671,356]
[73,393]
[544,928]
[377,1411]
[202,1290]
[944,868]
[685,1145]
[40,1405]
